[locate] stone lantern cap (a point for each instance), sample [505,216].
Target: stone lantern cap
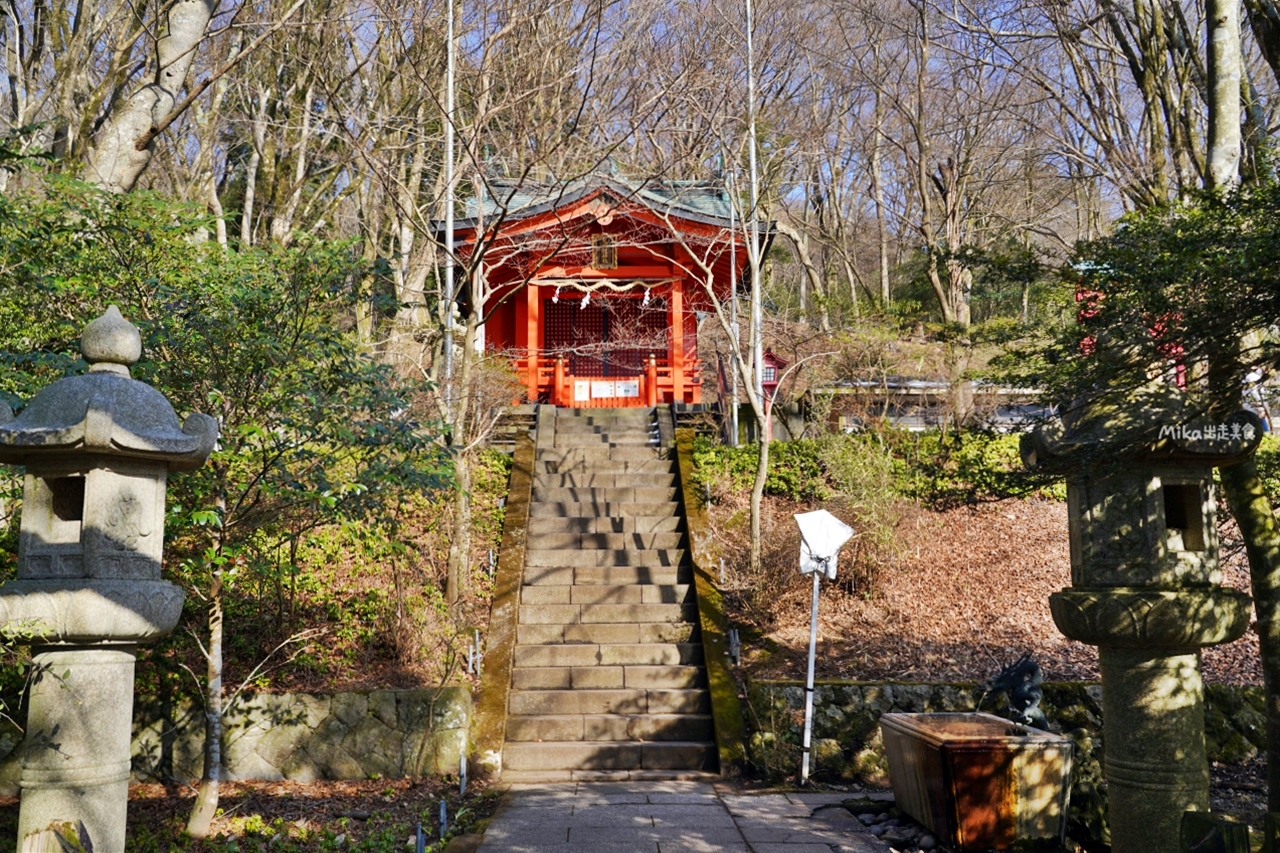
[1151,424]
[105,411]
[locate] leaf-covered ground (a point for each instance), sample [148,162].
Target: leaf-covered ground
[371,816]
[967,592]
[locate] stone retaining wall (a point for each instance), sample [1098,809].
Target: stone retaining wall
[847,742]
[304,737]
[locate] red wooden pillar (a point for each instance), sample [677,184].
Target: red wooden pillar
[534,317]
[651,382]
[677,340]
[557,391]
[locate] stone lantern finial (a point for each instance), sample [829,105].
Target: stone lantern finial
[111,343]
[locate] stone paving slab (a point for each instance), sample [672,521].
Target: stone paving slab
[765,806]
[670,817]
[666,816]
[500,838]
[814,801]
[784,832]
[684,798]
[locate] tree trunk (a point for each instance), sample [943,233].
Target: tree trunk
[1264,21]
[251,168]
[364,290]
[115,161]
[1223,18]
[282,222]
[460,548]
[215,207]
[877,190]
[206,804]
[757,492]
[1252,510]
[811,273]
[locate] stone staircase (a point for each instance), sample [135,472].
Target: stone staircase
[607,677]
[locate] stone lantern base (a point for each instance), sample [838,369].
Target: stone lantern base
[1152,698]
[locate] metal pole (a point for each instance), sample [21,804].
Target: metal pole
[448,205]
[808,685]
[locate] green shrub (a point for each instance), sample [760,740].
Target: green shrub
[964,466]
[961,466]
[852,475]
[1268,461]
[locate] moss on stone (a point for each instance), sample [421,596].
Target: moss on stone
[726,703]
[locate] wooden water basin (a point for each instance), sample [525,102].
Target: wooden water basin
[978,781]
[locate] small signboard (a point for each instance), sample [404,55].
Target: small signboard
[602,388]
[822,535]
[581,390]
[628,387]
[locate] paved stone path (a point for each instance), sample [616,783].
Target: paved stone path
[671,817]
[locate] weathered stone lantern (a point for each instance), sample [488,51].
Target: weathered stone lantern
[1146,589]
[97,450]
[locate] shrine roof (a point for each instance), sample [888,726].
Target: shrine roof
[698,201]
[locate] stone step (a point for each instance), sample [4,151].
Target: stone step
[562,558]
[557,509]
[609,654]
[609,439]
[611,727]
[601,633]
[577,614]
[622,575]
[589,423]
[609,755]
[604,541]
[593,480]
[652,465]
[606,594]
[620,701]
[592,524]
[584,428]
[616,413]
[637,417]
[592,455]
[591,495]
[596,677]
[592,436]
[607,575]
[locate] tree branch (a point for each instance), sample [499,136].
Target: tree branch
[162,125]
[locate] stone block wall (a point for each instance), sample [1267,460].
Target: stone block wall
[847,744]
[303,737]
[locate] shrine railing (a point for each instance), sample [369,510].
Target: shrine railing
[654,385]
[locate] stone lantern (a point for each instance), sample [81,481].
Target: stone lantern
[97,450]
[1146,590]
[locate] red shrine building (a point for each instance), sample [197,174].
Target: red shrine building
[596,288]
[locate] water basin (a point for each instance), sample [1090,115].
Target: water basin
[978,781]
